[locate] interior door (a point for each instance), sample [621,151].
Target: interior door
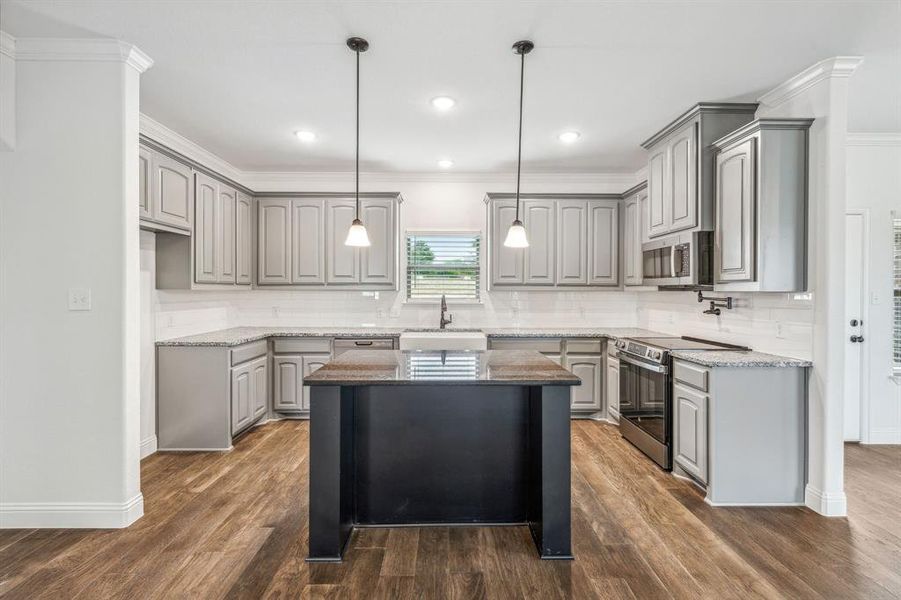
[855,305]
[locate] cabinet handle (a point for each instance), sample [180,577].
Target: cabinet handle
[363,343]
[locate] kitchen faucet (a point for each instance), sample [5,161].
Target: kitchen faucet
[445,320]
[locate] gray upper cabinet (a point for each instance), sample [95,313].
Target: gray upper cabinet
[244,239]
[274,241]
[170,191]
[603,243]
[226,238]
[144,179]
[681,167]
[572,242]
[206,230]
[308,240]
[343,265]
[506,263]
[377,262]
[761,207]
[539,220]
[735,213]
[633,207]
[301,242]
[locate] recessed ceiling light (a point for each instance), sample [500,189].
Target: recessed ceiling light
[305,136]
[445,164]
[443,102]
[568,137]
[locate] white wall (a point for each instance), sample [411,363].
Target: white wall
[69,381]
[874,184]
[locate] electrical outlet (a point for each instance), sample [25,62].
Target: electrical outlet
[79,299]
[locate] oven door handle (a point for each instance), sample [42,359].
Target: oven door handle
[642,364]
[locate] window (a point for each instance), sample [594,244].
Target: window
[443,263]
[896,353]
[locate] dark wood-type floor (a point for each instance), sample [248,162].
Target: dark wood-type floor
[235,525]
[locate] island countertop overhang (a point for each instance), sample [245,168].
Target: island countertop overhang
[398,367]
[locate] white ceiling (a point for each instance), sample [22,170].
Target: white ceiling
[239,78]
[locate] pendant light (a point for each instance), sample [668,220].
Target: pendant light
[356,235]
[516,235]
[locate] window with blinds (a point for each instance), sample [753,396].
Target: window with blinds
[896,353]
[443,263]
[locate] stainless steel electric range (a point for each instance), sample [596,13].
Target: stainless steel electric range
[645,391]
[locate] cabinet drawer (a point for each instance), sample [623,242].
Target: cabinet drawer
[294,345]
[248,351]
[549,345]
[692,375]
[583,346]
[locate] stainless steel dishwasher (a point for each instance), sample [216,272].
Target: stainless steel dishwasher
[343,345]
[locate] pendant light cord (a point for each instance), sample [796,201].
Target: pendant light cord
[522,77]
[357,167]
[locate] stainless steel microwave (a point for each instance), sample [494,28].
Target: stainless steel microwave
[682,260]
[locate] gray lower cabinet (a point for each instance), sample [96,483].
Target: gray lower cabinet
[761,207]
[166,192]
[741,432]
[573,241]
[690,431]
[300,242]
[208,394]
[293,360]
[310,363]
[612,382]
[586,397]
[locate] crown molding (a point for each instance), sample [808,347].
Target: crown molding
[874,139]
[837,66]
[7,45]
[82,49]
[161,134]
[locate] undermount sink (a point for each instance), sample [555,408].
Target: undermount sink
[443,339]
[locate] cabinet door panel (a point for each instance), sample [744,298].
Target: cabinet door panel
[656,191]
[243,239]
[735,213]
[206,230]
[690,431]
[538,218]
[308,241]
[604,242]
[260,381]
[632,241]
[377,261]
[588,395]
[613,387]
[506,263]
[311,362]
[172,191]
[144,179]
[572,242]
[683,175]
[241,392]
[342,262]
[287,379]
[226,238]
[274,243]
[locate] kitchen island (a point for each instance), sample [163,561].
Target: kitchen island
[439,438]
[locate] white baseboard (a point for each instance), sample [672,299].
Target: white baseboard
[148,446]
[885,436]
[750,504]
[827,504]
[71,515]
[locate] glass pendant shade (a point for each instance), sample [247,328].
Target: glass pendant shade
[357,236]
[516,236]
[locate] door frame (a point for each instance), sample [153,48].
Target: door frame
[864,213]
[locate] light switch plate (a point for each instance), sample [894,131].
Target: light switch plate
[79,299]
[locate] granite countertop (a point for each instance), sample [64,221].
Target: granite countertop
[395,367]
[738,358]
[236,336]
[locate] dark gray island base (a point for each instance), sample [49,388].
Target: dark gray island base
[439,438]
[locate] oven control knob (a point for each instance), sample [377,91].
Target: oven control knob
[656,354]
